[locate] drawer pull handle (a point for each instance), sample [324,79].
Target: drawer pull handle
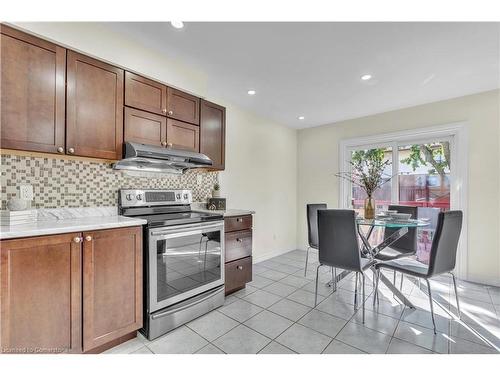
[239,267]
[239,240]
[239,220]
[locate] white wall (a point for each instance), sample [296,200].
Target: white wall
[318,162]
[261,156]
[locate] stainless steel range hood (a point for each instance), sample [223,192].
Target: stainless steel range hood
[147,158]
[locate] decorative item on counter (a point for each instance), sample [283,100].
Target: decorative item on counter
[10,218]
[16,204]
[216,204]
[216,190]
[367,172]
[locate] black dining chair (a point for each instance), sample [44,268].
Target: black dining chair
[442,259]
[404,247]
[338,246]
[312,228]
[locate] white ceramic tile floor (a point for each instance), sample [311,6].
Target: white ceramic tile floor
[276,315]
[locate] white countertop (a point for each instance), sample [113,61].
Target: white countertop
[45,227]
[226,213]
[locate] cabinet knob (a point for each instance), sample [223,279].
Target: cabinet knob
[71,150]
[170,113]
[164,110]
[77,240]
[88,238]
[60,150]
[239,220]
[239,240]
[164,144]
[239,267]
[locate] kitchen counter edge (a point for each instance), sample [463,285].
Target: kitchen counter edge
[48,227]
[226,213]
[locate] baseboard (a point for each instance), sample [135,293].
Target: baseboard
[269,255]
[484,281]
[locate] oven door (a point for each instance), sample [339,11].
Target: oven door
[184,261]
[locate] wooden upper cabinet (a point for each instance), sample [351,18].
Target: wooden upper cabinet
[213,133]
[145,127]
[183,136]
[94,119]
[33,75]
[145,94]
[40,280]
[112,285]
[183,106]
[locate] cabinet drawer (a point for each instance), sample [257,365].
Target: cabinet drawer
[238,244]
[237,274]
[237,223]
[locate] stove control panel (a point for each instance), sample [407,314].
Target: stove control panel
[153,197]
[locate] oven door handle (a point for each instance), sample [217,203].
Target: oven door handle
[189,228]
[188,305]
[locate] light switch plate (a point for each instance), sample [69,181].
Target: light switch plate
[26,192]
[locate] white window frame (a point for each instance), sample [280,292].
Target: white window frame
[455,133]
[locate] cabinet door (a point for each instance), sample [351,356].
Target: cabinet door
[237,274]
[94,108]
[183,136]
[145,127]
[33,77]
[183,106]
[145,94]
[112,285]
[41,294]
[213,133]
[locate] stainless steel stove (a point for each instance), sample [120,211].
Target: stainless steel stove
[183,257]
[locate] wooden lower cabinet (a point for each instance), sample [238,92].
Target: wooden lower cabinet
[70,293]
[238,252]
[112,285]
[237,274]
[41,295]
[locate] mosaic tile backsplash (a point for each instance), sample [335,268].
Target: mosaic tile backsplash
[79,183]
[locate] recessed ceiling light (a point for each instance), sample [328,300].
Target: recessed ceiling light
[177,24]
[366,77]
[301,117]
[251,92]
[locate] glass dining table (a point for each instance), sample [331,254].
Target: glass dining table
[370,251]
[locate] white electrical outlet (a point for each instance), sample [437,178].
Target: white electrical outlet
[26,192]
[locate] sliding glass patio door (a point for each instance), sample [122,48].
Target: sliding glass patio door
[419,175]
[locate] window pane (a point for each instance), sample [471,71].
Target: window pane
[424,181]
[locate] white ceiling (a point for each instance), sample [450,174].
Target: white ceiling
[314,69]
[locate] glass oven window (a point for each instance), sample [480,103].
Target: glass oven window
[186,263]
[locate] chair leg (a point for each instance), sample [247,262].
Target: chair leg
[316,288]
[307,258]
[432,307]
[363,274]
[394,281]
[375,296]
[401,286]
[356,292]
[456,294]
[335,278]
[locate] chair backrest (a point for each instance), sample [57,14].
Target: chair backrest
[407,243]
[443,254]
[338,239]
[312,222]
